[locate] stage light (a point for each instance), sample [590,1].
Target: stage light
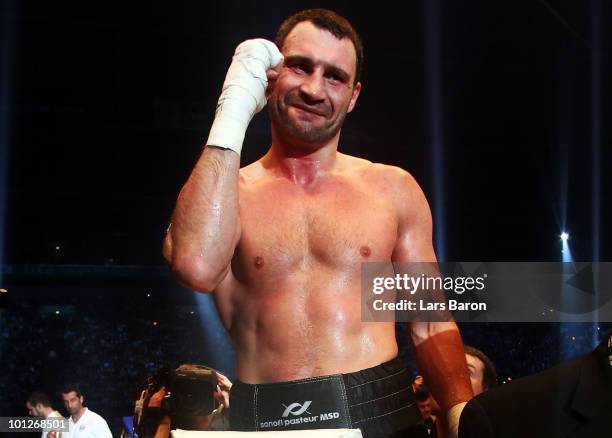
[217,343]
[435,95]
[8,12]
[566,253]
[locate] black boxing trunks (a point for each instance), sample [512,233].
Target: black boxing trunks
[377,400]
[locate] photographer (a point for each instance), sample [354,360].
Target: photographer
[192,397]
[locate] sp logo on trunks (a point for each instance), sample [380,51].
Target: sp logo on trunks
[296,409]
[324,405]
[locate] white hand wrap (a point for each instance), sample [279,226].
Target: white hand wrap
[244,92]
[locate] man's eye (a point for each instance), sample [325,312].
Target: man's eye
[298,68]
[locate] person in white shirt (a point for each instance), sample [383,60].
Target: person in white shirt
[83,423]
[38,405]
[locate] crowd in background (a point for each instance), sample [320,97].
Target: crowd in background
[111,341]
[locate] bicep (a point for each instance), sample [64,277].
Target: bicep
[414,244]
[414,239]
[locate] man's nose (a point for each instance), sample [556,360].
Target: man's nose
[313,88]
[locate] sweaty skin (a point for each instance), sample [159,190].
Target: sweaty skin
[281,241]
[292,299]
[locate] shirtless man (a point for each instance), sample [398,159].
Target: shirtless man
[280,244]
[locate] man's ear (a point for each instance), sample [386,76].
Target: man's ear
[356,91]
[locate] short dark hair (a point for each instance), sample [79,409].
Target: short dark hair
[69,387]
[39,397]
[422,395]
[328,20]
[489,375]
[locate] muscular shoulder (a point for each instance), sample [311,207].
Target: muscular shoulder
[402,191]
[393,181]
[414,241]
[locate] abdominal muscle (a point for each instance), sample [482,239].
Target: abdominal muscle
[304,326]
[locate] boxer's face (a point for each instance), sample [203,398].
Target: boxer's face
[315,89]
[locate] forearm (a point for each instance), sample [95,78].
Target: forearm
[440,357]
[205,224]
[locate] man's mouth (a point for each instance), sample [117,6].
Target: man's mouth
[309,110]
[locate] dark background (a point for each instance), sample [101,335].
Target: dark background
[112,101]
[105,106]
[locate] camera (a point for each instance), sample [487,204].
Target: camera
[184,394]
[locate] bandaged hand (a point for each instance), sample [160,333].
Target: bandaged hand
[244,92]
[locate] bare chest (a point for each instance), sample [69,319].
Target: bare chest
[338,226]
